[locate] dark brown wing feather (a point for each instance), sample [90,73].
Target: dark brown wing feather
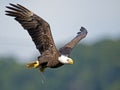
[38,28]
[65,50]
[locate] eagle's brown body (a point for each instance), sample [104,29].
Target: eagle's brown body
[40,32]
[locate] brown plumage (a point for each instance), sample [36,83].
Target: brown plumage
[40,32]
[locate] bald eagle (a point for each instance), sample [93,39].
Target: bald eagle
[40,32]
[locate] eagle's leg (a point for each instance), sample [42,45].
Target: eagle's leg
[34,64]
[42,69]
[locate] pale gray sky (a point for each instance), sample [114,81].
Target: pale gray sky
[100,17]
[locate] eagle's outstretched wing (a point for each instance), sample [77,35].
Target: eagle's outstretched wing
[66,50]
[38,28]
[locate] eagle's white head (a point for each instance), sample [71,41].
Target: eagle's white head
[65,60]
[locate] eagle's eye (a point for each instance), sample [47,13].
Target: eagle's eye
[67,59]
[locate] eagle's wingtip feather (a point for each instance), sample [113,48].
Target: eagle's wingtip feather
[83,30]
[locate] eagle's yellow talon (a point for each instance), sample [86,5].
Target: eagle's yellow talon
[36,64]
[33,64]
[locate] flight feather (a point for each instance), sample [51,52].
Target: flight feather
[66,49]
[38,28]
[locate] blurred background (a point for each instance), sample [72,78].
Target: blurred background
[97,57]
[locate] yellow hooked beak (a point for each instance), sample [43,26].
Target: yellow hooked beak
[70,61]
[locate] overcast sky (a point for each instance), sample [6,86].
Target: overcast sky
[100,17]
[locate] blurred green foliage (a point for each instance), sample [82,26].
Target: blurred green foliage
[97,67]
